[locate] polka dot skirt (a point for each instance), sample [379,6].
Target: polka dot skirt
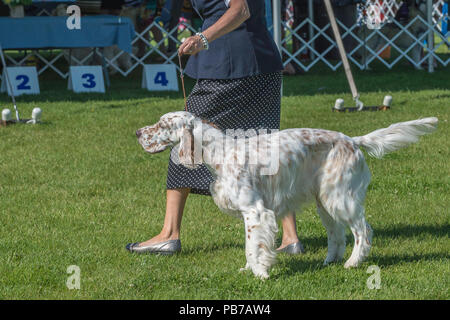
[246,103]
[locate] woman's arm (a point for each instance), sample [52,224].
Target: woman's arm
[236,14]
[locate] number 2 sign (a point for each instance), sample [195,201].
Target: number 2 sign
[160,77]
[24,80]
[86,79]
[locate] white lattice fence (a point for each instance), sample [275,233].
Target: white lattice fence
[362,54]
[403,39]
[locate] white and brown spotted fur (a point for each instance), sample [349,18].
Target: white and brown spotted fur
[314,165]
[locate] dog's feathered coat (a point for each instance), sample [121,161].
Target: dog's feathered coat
[311,165]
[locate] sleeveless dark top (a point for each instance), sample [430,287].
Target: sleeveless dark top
[246,51]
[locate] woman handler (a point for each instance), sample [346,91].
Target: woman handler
[238,70]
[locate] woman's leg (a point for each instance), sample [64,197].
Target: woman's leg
[175,202]
[176,199]
[289,230]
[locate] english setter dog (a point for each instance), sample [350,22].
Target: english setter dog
[262,178]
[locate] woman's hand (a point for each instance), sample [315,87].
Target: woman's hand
[236,14]
[191,46]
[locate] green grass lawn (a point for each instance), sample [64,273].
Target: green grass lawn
[77,188]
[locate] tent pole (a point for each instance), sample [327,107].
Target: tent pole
[8,82]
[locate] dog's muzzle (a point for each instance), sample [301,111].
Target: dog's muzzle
[138,133]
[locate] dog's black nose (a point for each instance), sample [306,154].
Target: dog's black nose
[138,133]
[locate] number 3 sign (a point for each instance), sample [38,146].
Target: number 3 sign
[24,80]
[86,79]
[160,77]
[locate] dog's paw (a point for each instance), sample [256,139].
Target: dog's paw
[328,261]
[246,268]
[351,263]
[261,273]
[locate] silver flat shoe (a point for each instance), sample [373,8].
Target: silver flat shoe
[166,247]
[293,248]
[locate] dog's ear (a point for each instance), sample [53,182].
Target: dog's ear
[186,152]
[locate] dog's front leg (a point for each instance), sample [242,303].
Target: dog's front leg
[260,231]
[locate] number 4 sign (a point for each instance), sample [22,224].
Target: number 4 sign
[160,77]
[86,79]
[24,80]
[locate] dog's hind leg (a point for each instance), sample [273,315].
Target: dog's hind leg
[260,231]
[342,193]
[362,233]
[350,210]
[336,235]
[353,217]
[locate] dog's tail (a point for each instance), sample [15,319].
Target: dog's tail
[396,136]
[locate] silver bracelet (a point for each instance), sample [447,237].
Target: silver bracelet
[204,40]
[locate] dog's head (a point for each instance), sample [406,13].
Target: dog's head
[171,129]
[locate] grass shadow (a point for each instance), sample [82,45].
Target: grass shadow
[316,82]
[213,247]
[409,231]
[297,265]
[319,82]
[312,244]
[390,232]
[392,260]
